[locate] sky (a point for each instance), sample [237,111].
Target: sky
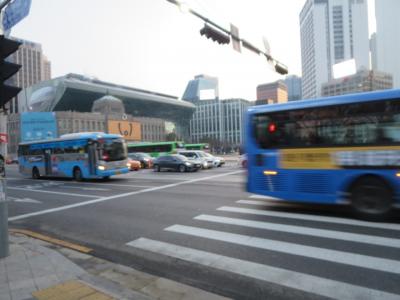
[151,44]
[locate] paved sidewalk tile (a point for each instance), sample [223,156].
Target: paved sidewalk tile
[72,290]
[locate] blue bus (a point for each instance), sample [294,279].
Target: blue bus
[334,150]
[76,155]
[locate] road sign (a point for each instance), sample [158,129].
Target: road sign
[235,38]
[15,12]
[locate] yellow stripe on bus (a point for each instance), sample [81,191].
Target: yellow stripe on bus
[319,158]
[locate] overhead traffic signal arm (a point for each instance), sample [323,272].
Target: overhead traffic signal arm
[7,70]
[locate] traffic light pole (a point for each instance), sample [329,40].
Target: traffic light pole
[7,92]
[4,246]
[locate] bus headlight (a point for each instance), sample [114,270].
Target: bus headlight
[101,168]
[268,172]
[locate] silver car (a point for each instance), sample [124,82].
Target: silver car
[206,161]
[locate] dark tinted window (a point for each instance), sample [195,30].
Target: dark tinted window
[373,123]
[113,149]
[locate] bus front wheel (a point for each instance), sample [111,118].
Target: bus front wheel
[371,199]
[35,173]
[78,174]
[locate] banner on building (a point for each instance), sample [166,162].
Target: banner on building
[131,131]
[38,126]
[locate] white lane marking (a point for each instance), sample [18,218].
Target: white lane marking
[51,192]
[84,188]
[262,203]
[102,199]
[316,218]
[291,279]
[23,200]
[264,197]
[324,233]
[352,259]
[105,184]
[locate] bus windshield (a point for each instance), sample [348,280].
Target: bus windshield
[113,149]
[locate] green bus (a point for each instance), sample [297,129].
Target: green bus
[156,149]
[201,146]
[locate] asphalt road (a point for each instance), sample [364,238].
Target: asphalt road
[203,229]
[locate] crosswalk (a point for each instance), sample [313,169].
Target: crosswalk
[324,256]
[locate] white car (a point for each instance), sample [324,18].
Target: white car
[217,161]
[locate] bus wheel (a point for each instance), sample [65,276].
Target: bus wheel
[371,199]
[35,173]
[78,174]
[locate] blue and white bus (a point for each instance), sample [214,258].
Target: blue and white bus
[343,149]
[76,155]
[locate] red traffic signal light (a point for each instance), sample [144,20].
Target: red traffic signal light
[215,34]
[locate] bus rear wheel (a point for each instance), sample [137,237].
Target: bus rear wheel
[35,173]
[371,199]
[78,174]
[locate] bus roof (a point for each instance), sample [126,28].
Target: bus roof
[76,136]
[327,101]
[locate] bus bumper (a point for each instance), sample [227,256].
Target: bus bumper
[112,172]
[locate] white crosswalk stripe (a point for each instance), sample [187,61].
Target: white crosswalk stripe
[306,217]
[358,260]
[330,234]
[304,282]
[326,287]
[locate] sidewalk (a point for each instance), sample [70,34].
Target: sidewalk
[38,270]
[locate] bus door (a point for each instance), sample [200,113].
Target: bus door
[92,153]
[47,161]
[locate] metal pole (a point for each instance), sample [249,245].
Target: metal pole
[4,4]
[4,246]
[4,243]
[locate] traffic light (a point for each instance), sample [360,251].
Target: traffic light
[215,34]
[7,69]
[281,68]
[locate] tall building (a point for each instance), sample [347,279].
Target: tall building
[201,87]
[387,39]
[35,67]
[293,84]
[219,122]
[362,81]
[331,31]
[275,92]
